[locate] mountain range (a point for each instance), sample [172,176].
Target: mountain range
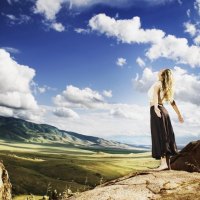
[20,130]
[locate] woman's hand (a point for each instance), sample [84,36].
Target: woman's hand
[180,118]
[157,111]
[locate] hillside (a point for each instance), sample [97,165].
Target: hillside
[24,131]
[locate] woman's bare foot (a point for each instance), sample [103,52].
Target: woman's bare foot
[164,164]
[161,167]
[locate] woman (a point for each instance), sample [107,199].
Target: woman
[162,134]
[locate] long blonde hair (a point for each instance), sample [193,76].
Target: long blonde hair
[167,84]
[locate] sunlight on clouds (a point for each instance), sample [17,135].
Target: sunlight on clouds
[16,98]
[79,98]
[161,45]
[126,30]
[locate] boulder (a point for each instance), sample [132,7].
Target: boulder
[188,159]
[5,185]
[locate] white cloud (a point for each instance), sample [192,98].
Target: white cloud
[197,40]
[36,88]
[127,111]
[187,86]
[107,93]
[197,6]
[73,97]
[58,27]
[116,3]
[16,98]
[15,83]
[126,30]
[129,121]
[161,45]
[176,49]
[65,112]
[81,30]
[147,78]
[49,8]
[42,89]
[140,62]
[121,62]
[190,28]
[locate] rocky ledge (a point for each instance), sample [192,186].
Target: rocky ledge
[180,183]
[5,185]
[165,185]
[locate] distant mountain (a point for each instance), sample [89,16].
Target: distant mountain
[24,131]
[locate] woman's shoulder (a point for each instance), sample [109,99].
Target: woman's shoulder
[158,83]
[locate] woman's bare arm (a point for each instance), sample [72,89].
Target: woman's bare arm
[155,100]
[175,107]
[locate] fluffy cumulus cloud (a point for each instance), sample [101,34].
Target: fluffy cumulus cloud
[161,45]
[16,98]
[65,112]
[190,28]
[126,30]
[121,62]
[176,49]
[15,83]
[74,97]
[50,8]
[187,86]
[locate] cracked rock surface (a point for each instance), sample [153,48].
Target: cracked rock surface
[167,184]
[5,185]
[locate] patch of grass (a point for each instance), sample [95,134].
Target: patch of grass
[32,167]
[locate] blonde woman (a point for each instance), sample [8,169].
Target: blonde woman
[162,134]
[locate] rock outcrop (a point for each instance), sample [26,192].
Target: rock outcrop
[5,185]
[180,183]
[188,158]
[163,185]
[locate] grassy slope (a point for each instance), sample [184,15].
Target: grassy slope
[32,166]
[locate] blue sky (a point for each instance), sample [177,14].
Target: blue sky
[89,63]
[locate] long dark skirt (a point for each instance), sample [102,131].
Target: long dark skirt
[162,134]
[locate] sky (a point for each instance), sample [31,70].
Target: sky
[86,65]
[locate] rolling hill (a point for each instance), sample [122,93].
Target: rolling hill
[23,131]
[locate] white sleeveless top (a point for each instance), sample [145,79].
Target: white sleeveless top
[151,90]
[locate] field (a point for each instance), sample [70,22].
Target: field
[35,168]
